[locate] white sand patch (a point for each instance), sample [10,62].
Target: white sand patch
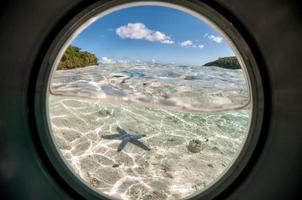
[169,170]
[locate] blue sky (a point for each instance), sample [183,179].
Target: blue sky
[155,33]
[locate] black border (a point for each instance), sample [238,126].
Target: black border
[70,182]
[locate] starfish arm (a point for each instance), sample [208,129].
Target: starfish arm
[141,136]
[140,144]
[114,136]
[122,145]
[121,131]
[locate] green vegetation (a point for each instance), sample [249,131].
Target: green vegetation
[225,62]
[75,58]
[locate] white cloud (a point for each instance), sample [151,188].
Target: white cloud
[186,43]
[216,39]
[106,60]
[138,31]
[168,42]
[200,46]
[189,43]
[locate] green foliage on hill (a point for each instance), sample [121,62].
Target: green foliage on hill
[75,58]
[225,62]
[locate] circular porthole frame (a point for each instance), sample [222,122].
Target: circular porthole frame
[256,89]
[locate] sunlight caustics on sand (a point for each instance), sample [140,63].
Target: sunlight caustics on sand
[189,149]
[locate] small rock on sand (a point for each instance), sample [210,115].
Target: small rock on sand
[115,165]
[94,182]
[194,146]
[210,165]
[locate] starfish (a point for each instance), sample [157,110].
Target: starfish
[126,137]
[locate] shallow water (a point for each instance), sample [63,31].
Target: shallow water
[79,124]
[188,150]
[187,88]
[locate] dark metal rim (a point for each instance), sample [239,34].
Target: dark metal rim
[41,112]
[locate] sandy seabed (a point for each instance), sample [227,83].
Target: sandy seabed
[170,170]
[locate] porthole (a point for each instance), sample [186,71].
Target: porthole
[149,100]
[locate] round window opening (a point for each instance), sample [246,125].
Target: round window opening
[149,101]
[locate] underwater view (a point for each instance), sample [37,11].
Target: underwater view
[142,108]
[179,152]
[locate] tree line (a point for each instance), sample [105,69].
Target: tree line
[74,57]
[225,62]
